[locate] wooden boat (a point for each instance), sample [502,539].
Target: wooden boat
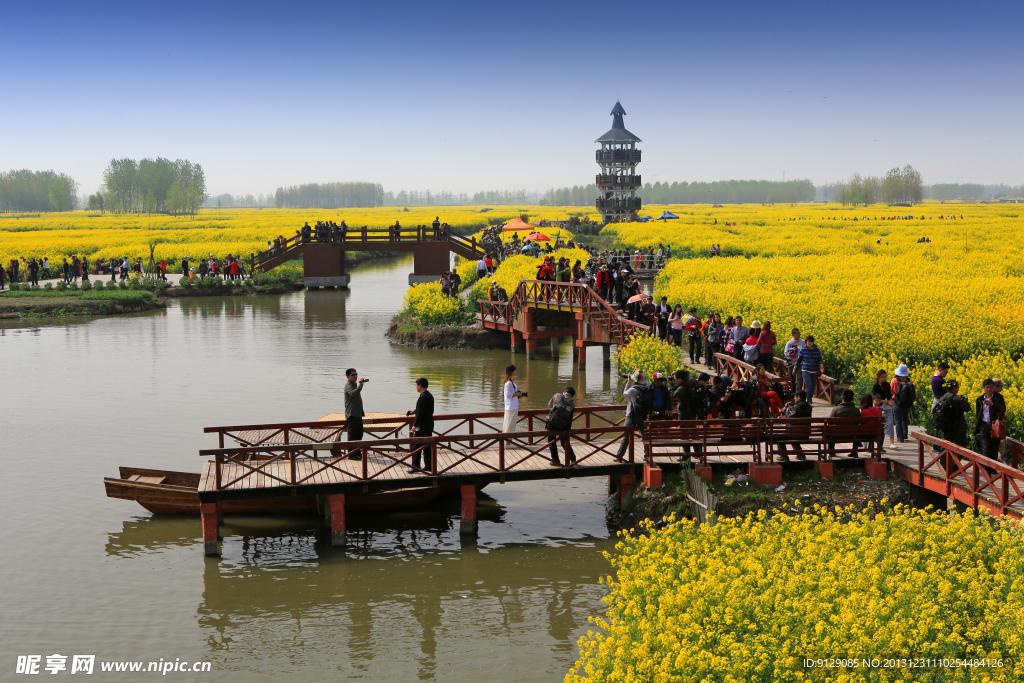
[176,493]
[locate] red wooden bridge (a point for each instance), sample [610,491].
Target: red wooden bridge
[540,309]
[323,251]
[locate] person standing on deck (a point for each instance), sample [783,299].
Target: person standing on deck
[636,383]
[560,410]
[949,414]
[436,226]
[354,410]
[904,395]
[939,382]
[988,408]
[810,366]
[423,425]
[791,350]
[512,395]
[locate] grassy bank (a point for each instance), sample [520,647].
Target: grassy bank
[43,303]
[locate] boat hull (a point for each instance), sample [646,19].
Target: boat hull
[165,492]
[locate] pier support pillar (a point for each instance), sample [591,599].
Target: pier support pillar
[825,469]
[765,474]
[652,476]
[531,349]
[468,523]
[555,342]
[606,356]
[704,472]
[517,342]
[336,505]
[876,469]
[211,541]
[627,484]
[583,358]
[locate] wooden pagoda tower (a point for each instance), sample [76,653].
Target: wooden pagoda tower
[618,181]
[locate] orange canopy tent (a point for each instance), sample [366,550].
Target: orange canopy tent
[518,223]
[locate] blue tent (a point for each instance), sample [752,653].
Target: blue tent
[667,215]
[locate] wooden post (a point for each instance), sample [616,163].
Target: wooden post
[583,358]
[468,523]
[208,512]
[336,505]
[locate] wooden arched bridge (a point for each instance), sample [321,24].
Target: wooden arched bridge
[323,251]
[540,309]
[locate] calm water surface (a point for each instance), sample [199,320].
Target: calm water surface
[405,600]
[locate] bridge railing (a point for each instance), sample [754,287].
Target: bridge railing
[741,371]
[494,453]
[366,236]
[572,295]
[988,483]
[765,438]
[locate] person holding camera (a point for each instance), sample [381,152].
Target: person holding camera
[354,410]
[512,396]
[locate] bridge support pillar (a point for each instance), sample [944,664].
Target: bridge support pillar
[555,342]
[531,348]
[583,358]
[627,485]
[209,513]
[652,476]
[766,475]
[323,265]
[606,356]
[704,472]
[517,342]
[876,469]
[467,525]
[825,469]
[336,509]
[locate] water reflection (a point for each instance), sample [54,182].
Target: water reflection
[411,615]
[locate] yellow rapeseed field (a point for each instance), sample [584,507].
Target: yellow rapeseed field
[860,281]
[752,599]
[214,231]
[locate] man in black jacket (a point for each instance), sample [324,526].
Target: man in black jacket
[354,410]
[423,425]
[988,408]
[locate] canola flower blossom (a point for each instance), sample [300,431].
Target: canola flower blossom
[648,353]
[748,599]
[427,304]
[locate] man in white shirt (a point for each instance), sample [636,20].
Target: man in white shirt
[481,268]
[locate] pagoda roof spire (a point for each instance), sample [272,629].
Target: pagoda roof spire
[618,132]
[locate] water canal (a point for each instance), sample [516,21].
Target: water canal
[405,600]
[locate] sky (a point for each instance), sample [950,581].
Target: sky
[468,96]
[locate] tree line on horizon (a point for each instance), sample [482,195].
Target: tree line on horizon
[179,187]
[24,190]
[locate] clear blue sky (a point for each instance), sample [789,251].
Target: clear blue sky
[475,95]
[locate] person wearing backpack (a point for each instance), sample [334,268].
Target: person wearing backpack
[693,329]
[904,394]
[640,402]
[560,410]
[949,414]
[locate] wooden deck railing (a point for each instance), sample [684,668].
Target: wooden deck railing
[970,477]
[741,371]
[513,451]
[332,431]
